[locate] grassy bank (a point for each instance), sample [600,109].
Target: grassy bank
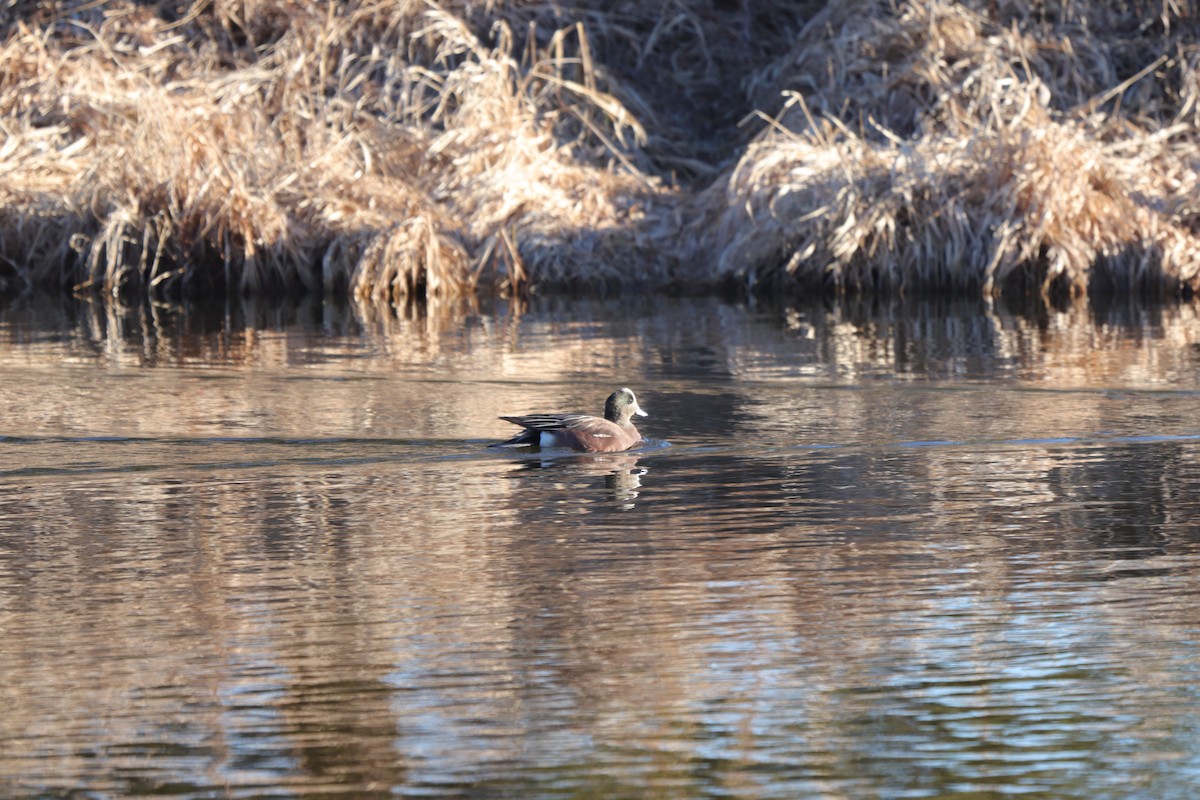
[402,148]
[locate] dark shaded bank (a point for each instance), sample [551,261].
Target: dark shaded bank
[399,150]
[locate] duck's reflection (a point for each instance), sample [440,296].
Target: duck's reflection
[621,472]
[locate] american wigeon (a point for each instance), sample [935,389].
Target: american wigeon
[582,432]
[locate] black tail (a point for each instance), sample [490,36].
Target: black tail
[527,436]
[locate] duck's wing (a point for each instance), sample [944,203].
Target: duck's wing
[554,422]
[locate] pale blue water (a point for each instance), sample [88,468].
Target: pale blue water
[938,551]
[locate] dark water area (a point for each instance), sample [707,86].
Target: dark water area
[896,551]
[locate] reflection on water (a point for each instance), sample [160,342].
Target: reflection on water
[619,473]
[902,552]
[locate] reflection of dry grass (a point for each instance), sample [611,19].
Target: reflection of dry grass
[1082,344]
[415,149]
[447,370]
[310,605]
[329,616]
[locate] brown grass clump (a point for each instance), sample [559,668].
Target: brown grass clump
[1041,202]
[435,149]
[942,147]
[375,146]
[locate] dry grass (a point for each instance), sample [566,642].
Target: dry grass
[278,145]
[435,149]
[941,147]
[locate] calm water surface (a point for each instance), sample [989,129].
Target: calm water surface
[898,552]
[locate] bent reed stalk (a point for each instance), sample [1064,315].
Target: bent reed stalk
[393,150]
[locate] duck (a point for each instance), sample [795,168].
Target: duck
[582,432]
